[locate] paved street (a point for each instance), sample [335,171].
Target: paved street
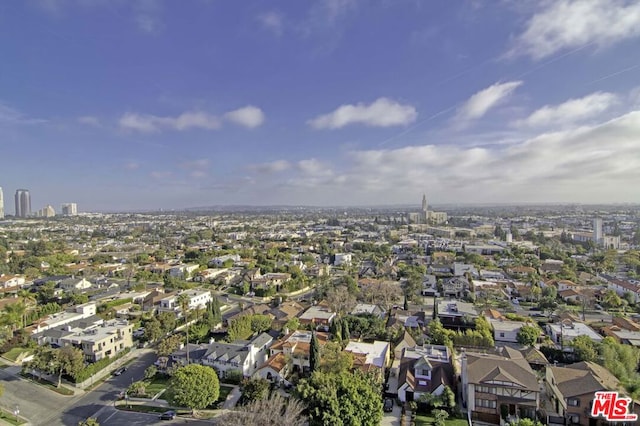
[100,400]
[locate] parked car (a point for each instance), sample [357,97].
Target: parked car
[388,405]
[168,415]
[119,371]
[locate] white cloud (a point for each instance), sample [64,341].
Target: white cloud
[249,116]
[146,123]
[571,111]
[273,21]
[313,167]
[89,120]
[147,15]
[569,24]
[480,103]
[161,175]
[597,163]
[383,112]
[201,163]
[11,115]
[271,167]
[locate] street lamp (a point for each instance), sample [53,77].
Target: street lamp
[16,411]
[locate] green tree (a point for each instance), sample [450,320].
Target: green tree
[528,335]
[438,334]
[194,386]
[168,321]
[90,421]
[448,399]
[334,360]
[341,399]
[524,422]
[260,323]
[584,348]
[150,372]
[440,417]
[169,345]
[346,333]
[152,330]
[68,360]
[254,389]
[314,353]
[184,300]
[138,388]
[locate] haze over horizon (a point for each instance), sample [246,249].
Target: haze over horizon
[141,105]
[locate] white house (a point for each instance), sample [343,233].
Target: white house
[564,332]
[221,260]
[183,271]
[71,284]
[7,281]
[342,259]
[198,299]
[505,330]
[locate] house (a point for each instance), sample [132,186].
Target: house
[275,369]
[563,332]
[220,261]
[318,315]
[183,271]
[198,299]
[367,356]
[423,370]
[96,338]
[74,284]
[501,385]
[505,330]
[296,346]
[286,311]
[455,287]
[342,259]
[570,295]
[521,271]
[455,313]
[626,337]
[368,309]
[623,286]
[73,313]
[551,266]
[572,388]
[242,356]
[8,281]
[461,269]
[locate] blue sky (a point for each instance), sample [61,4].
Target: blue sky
[145,104]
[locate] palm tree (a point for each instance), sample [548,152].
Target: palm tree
[184,301]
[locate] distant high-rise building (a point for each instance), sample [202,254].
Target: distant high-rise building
[46,212]
[23,203]
[1,204]
[69,209]
[424,203]
[597,230]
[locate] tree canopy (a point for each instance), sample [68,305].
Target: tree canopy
[193,386]
[341,399]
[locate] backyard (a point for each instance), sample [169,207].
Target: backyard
[427,420]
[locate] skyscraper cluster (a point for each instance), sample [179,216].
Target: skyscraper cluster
[23,206]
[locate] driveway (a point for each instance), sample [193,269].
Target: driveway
[393,418]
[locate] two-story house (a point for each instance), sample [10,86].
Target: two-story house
[296,346]
[423,370]
[572,388]
[198,299]
[242,356]
[499,386]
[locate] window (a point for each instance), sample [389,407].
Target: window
[425,372]
[501,334]
[486,389]
[486,403]
[573,402]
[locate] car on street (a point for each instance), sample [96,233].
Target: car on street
[119,371]
[168,415]
[388,405]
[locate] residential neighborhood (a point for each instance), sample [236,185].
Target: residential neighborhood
[484,336]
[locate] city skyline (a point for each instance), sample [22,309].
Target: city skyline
[157,105]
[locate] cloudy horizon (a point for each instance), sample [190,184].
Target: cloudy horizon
[148,105]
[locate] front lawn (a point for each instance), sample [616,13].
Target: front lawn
[156,385]
[13,353]
[427,420]
[224,392]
